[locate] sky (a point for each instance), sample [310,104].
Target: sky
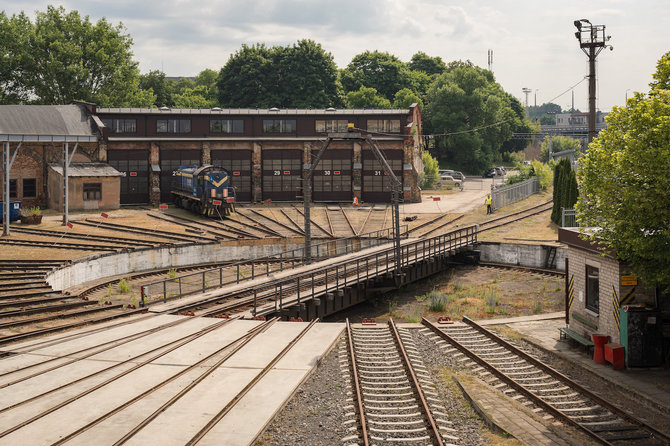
[533,41]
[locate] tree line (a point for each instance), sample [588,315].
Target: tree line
[61,56]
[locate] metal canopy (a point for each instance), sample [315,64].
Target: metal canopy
[41,123]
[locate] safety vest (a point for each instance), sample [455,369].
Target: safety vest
[488,200]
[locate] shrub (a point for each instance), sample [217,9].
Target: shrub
[123,286]
[438,302]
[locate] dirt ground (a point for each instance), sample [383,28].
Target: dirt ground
[478,292]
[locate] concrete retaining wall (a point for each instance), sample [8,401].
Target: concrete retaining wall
[533,256]
[108,265]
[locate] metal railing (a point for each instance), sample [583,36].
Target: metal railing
[201,281]
[511,193]
[568,218]
[331,278]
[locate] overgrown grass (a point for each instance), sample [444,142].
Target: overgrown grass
[123,286]
[172,273]
[438,301]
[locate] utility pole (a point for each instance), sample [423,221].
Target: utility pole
[491,61]
[592,40]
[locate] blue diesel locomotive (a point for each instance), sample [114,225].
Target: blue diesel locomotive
[205,190]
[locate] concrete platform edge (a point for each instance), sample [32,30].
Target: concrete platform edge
[482,413]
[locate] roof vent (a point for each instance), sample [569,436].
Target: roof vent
[164,108]
[331,109]
[216,109]
[274,109]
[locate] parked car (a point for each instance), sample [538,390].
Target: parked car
[526,163]
[454,173]
[490,173]
[501,171]
[448,180]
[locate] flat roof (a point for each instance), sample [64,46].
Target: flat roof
[87,170]
[251,111]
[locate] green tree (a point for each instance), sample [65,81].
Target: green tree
[300,76]
[430,170]
[474,112]
[196,97]
[13,46]
[406,97]
[624,183]
[662,75]
[70,58]
[565,189]
[429,65]
[558,144]
[366,98]
[373,69]
[156,82]
[207,78]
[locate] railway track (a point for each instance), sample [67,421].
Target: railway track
[395,399]
[514,371]
[514,217]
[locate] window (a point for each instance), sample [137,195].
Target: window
[331,125]
[592,288]
[121,125]
[384,125]
[279,126]
[29,188]
[12,189]
[92,192]
[226,126]
[173,126]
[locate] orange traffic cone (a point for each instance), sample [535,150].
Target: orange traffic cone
[355,201]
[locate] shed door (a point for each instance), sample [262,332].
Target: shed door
[171,159]
[376,184]
[134,164]
[331,180]
[282,174]
[238,163]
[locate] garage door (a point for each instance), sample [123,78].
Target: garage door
[282,175]
[332,177]
[376,184]
[134,164]
[238,163]
[171,159]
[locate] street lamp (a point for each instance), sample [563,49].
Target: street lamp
[627,95]
[592,40]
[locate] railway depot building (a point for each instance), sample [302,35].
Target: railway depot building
[265,150]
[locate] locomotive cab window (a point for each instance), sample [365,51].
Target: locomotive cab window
[93,192]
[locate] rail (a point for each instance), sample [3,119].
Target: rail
[512,193]
[179,286]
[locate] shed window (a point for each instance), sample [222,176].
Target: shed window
[592,288]
[29,188]
[173,126]
[12,189]
[279,126]
[92,192]
[226,126]
[331,125]
[121,125]
[384,125]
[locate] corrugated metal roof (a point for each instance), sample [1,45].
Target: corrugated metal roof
[252,111]
[45,120]
[87,170]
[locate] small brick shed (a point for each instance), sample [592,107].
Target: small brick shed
[599,286]
[91,186]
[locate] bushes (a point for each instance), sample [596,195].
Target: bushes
[430,169]
[536,169]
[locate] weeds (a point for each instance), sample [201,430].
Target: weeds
[491,300]
[172,273]
[438,302]
[123,286]
[393,306]
[414,315]
[537,308]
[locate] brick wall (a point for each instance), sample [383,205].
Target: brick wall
[608,269]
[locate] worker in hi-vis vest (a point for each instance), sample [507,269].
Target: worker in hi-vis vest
[489,210]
